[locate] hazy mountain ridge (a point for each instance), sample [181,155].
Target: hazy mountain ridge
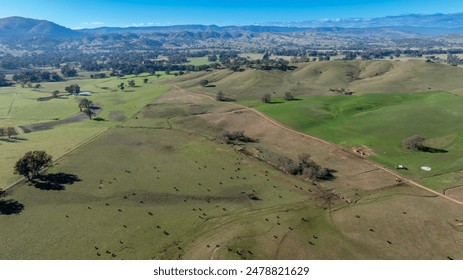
[446,21]
[14,27]
[400,26]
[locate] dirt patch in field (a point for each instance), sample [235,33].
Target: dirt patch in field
[456,193]
[363,151]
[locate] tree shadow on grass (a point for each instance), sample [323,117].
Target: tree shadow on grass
[226,99]
[433,150]
[13,139]
[55,181]
[10,207]
[330,175]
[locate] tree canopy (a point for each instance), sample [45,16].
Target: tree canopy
[32,163]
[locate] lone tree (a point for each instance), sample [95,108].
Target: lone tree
[289,96]
[414,142]
[84,103]
[8,130]
[121,86]
[204,83]
[131,83]
[73,89]
[32,163]
[220,96]
[55,94]
[89,112]
[267,98]
[145,80]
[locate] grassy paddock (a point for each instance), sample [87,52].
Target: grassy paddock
[168,173]
[381,122]
[117,106]
[158,187]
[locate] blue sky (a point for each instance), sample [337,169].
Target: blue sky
[96,13]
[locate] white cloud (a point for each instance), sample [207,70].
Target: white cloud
[92,23]
[144,24]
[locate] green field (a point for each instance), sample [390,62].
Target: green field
[151,180]
[19,106]
[155,191]
[189,184]
[196,61]
[381,122]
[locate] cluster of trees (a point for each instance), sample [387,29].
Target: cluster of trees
[73,89]
[86,106]
[454,60]
[98,76]
[309,168]
[267,98]
[239,64]
[37,76]
[68,71]
[236,136]
[3,81]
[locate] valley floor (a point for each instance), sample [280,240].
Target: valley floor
[161,185]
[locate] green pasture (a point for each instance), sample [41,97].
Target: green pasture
[187,183]
[117,105]
[157,186]
[381,122]
[56,142]
[19,106]
[197,61]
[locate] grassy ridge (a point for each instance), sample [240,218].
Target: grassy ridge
[381,122]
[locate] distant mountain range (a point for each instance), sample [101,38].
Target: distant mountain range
[19,27]
[404,25]
[447,21]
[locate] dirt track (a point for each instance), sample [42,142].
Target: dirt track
[331,146]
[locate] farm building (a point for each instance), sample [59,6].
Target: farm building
[84,93]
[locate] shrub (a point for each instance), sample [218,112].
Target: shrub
[309,168]
[289,96]
[220,96]
[240,136]
[266,98]
[414,142]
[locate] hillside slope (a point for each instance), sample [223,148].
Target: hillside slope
[317,78]
[19,27]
